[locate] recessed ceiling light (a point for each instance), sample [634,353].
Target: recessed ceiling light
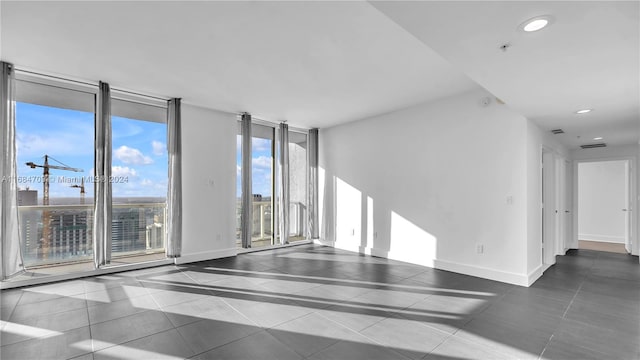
[536,23]
[597,138]
[584,111]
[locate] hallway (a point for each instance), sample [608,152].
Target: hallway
[318,302]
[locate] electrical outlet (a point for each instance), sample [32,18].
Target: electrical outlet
[353,232]
[480,248]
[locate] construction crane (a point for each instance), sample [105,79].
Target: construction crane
[45,174]
[46,231]
[82,193]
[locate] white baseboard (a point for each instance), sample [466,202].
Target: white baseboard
[324,242]
[486,273]
[347,247]
[534,275]
[207,255]
[602,238]
[378,253]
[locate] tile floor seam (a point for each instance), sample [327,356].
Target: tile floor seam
[574,345]
[137,339]
[221,345]
[295,351]
[238,311]
[449,336]
[56,312]
[13,308]
[93,347]
[564,315]
[100,303]
[285,322]
[40,301]
[421,322]
[356,331]
[546,346]
[120,317]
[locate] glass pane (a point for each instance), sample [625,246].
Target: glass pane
[55,146]
[297,186]
[262,185]
[139,182]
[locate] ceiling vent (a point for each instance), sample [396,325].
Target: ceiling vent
[557,131]
[591,146]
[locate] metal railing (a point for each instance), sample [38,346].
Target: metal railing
[262,227]
[64,233]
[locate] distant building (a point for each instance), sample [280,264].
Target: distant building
[27,197]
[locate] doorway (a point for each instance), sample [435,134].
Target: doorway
[556,203]
[604,206]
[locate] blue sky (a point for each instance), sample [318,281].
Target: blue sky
[261,166]
[139,151]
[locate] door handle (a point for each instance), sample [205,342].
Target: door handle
[624,209]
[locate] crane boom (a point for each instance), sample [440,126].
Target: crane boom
[33,166]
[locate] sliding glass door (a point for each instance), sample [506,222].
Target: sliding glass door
[55,156]
[139,180]
[262,183]
[267,186]
[55,142]
[298,184]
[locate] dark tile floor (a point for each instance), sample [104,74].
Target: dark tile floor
[313,302]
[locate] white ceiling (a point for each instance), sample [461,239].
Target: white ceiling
[317,64]
[588,58]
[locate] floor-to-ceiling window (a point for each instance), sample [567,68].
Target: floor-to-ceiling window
[139,177]
[262,183]
[298,184]
[56,147]
[265,189]
[55,157]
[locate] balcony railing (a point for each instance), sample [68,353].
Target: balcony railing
[262,233]
[64,233]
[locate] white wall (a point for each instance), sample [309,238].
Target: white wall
[601,196]
[208,184]
[428,184]
[537,140]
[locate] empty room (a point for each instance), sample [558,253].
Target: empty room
[319,180]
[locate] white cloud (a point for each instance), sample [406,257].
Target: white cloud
[146,182]
[159,148]
[54,143]
[132,156]
[262,162]
[123,171]
[260,144]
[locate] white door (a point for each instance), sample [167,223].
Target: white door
[549,211]
[628,207]
[568,206]
[560,204]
